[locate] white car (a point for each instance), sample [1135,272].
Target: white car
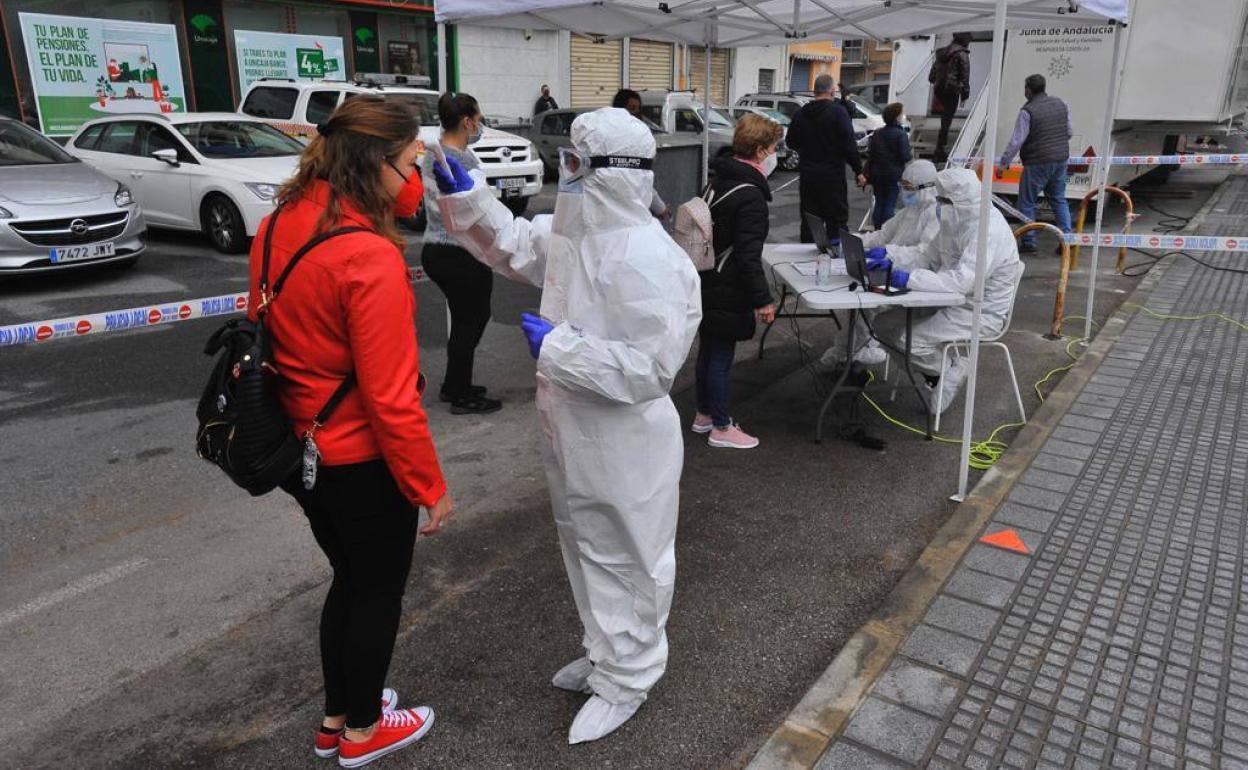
[510,163]
[866,117]
[216,172]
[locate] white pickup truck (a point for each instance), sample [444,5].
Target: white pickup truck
[510,163]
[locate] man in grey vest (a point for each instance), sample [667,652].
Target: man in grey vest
[1042,141]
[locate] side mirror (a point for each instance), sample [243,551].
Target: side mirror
[167,156]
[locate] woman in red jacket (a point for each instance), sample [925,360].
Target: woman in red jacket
[346,308]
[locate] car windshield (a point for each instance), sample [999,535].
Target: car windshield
[866,105]
[23,146]
[238,139]
[717,119]
[778,116]
[425,105]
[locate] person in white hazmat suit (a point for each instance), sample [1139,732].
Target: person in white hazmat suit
[620,308]
[948,263]
[901,240]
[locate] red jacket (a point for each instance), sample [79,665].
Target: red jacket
[348,306]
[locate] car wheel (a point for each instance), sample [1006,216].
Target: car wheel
[517,205]
[223,225]
[790,161]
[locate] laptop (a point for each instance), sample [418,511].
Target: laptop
[856,265]
[819,231]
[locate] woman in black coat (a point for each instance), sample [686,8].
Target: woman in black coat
[735,294]
[888,152]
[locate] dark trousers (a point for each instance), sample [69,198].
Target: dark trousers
[711,378]
[885,202]
[948,100]
[367,529]
[826,195]
[467,285]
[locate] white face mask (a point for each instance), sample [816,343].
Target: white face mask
[769,164]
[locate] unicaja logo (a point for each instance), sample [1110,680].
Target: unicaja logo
[205,29]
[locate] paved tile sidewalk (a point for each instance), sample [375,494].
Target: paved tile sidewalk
[1120,640]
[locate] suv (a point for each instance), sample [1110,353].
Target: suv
[510,163]
[865,116]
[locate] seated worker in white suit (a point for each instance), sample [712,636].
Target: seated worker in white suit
[620,307]
[947,263]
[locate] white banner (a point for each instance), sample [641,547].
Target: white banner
[281,55]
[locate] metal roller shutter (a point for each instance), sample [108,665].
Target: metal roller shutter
[719,72]
[595,71]
[649,65]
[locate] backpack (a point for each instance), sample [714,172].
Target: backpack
[938,75]
[242,427]
[694,230]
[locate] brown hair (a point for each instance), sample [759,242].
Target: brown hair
[348,153]
[754,131]
[892,113]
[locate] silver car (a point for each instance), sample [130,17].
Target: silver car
[56,212]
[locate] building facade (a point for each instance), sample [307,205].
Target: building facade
[808,61]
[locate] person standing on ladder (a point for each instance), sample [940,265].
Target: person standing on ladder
[1042,141]
[950,77]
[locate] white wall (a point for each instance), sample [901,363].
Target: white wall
[748,61]
[505,68]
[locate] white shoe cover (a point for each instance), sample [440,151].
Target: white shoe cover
[951,383]
[574,677]
[599,718]
[871,354]
[833,356]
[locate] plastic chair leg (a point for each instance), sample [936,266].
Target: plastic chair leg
[940,390]
[1018,395]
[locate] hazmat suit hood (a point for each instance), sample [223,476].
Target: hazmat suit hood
[922,174]
[615,198]
[912,227]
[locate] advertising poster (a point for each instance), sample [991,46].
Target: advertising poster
[82,69]
[280,55]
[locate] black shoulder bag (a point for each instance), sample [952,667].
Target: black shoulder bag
[242,427]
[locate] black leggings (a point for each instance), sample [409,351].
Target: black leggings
[367,528]
[467,285]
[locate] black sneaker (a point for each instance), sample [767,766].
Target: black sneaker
[1027,248]
[475,405]
[473,390]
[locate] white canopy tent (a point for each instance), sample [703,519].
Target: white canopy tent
[735,23]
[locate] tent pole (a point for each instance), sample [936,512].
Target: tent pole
[1111,109]
[706,102]
[981,245]
[442,74]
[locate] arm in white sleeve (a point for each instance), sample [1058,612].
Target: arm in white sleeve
[885,235]
[922,253]
[513,246]
[657,205]
[645,323]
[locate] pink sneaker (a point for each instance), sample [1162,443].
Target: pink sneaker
[702,423]
[732,437]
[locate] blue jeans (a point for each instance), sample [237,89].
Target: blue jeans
[711,378]
[885,203]
[1049,178]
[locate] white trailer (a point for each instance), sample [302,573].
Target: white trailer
[1184,73]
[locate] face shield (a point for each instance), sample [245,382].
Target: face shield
[575,165]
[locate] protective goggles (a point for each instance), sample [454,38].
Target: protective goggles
[915,188]
[574,164]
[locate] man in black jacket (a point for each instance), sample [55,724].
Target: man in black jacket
[545,101]
[951,81]
[823,136]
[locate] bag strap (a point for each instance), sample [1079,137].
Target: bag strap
[723,197]
[339,394]
[312,244]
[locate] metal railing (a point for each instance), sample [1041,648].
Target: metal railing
[1126,227]
[1059,300]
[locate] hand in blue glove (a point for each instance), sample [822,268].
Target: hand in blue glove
[456,181]
[535,329]
[878,254]
[899,278]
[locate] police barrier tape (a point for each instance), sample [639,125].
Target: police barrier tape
[132,318]
[1235,159]
[1164,242]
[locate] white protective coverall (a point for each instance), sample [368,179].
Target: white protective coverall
[952,256]
[625,303]
[912,226]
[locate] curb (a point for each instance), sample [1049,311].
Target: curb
[818,719]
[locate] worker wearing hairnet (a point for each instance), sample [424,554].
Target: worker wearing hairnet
[901,240]
[948,263]
[620,308]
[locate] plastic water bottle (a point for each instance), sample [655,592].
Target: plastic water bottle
[823,270]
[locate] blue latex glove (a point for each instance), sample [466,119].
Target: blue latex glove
[878,254]
[448,184]
[878,264]
[899,278]
[535,329]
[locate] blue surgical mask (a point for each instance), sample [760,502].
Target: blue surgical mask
[909,198]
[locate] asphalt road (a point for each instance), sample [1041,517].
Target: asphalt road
[153,615]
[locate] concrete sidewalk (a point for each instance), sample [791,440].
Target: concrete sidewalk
[1103,626]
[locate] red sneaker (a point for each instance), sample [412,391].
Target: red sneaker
[395,730]
[327,740]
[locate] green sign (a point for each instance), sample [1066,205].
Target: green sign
[210,60]
[364,42]
[310,62]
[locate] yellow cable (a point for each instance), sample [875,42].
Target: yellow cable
[985,453]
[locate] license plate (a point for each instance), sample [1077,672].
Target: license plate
[511,183]
[74,253]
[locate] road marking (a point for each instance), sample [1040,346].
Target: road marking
[74,589]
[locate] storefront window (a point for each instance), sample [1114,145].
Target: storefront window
[407,44]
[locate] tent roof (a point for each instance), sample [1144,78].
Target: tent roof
[768,22]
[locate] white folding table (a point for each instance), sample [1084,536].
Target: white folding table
[787,267]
